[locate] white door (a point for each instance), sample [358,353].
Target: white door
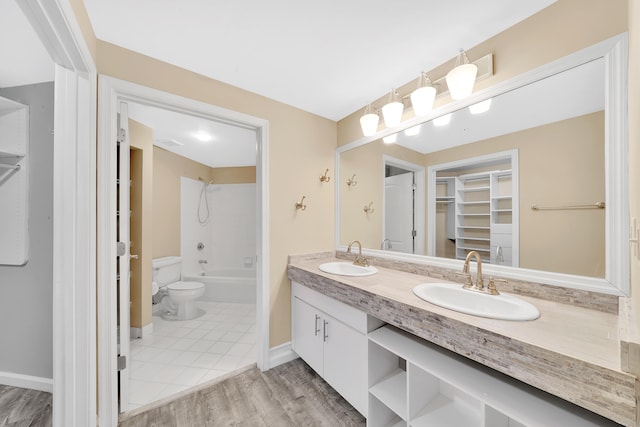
[123,256]
[399,213]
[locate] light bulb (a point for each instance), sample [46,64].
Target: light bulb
[392,113]
[422,100]
[390,139]
[412,131]
[480,107]
[442,120]
[369,124]
[461,79]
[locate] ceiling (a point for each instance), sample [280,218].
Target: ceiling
[329,58]
[24,58]
[230,145]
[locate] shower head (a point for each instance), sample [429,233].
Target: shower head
[206,182]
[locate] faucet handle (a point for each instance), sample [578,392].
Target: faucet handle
[468,280]
[491,286]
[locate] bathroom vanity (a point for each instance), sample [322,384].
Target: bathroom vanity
[433,365]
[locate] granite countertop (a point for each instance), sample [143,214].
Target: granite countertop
[571,352]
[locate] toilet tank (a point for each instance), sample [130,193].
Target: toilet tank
[167,270]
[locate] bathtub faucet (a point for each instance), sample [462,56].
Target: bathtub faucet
[202,261]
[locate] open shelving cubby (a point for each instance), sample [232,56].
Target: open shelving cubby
[14,140]
[415,383]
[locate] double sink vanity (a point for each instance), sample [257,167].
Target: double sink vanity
[399,359]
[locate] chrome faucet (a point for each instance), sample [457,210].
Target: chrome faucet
[360,260]
[386,244]
[479,285]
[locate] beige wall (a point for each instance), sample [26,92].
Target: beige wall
[141,139]
[167,170]
[236,175]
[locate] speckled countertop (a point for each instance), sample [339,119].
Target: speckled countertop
[571,352]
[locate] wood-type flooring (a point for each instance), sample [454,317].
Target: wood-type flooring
[291,394]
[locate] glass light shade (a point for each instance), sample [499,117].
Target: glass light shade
[390,139]
[413,131]
[422,100]
[442,120]
[480,107]
[369,124]
[392,113]
[461,79]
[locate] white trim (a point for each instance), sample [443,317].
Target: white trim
[419,209]
[74,384]
[617,280]
[111,91]
[26,381]
[280,354]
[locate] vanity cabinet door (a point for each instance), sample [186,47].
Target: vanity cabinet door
[308,334]
[345,362]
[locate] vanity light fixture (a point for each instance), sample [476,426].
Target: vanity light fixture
[480,107]
[390,139]
[412,131]
[392,111]
[202,136]
[442,120]
[422,98]
[461,79]
[369,121]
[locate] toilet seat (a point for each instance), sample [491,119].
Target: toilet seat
[185,286]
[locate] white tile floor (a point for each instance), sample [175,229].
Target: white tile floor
[182,354]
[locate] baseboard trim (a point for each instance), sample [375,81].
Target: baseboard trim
[26,381]
[281,354]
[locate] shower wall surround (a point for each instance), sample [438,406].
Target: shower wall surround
[229,233]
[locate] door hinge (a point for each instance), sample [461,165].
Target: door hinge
[121,248]
[414,233]
[122,135]
[122,362]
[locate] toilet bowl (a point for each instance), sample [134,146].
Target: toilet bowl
[177,298]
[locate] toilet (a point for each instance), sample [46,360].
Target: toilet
[177,298]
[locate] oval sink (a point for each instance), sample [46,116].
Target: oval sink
[347,269]
[454,297]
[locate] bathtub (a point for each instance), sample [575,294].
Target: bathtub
[238,286]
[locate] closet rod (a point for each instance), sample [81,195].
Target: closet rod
[5,166]
[599,205]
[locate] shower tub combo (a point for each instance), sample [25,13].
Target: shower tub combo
[227,285]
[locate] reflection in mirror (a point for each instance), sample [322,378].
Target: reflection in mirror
[555,126]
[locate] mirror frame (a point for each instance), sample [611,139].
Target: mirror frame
[617,258]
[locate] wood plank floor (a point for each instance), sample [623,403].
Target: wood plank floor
[291,394]
[21,407]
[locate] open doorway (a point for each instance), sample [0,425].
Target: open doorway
[201,185]
[192,203]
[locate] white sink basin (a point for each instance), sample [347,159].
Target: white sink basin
[347,269]
[454,297]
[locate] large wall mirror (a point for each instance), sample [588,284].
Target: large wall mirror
[532,173]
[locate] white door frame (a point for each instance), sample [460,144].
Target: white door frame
[111,91]
[419,211]
[74,385]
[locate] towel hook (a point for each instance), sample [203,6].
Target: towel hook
[351,182]
[300,204]
[369,208]
[324,177]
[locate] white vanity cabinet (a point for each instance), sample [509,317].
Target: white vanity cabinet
[415,383]
[331,337]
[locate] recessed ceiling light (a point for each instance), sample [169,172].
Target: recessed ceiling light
[202,136]
[480,107]
[442,120]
